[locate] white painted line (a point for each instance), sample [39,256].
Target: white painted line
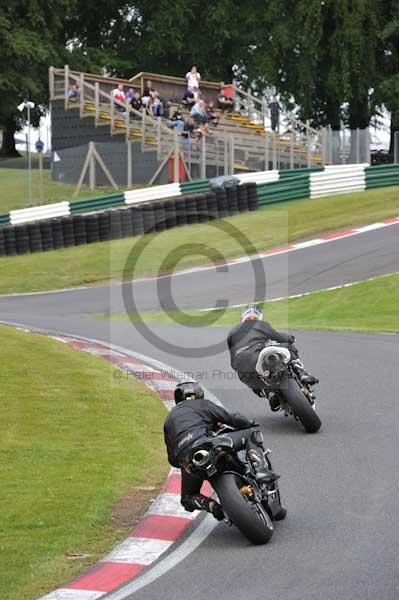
[310,243]
[329,289]
[169,504]
[136,550]
[69,594]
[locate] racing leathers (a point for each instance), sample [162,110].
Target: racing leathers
[247,339]
[193,419]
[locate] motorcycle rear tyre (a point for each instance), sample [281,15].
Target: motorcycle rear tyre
[253,522]
[301,406]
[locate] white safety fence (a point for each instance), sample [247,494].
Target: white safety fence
[342,179]
[158,192]
[38,213]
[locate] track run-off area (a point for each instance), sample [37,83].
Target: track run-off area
[341,536]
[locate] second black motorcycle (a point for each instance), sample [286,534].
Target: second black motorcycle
[283,386]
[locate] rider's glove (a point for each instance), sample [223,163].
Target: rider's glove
[241,422]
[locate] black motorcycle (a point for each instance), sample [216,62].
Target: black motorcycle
[251,506]
[283,387]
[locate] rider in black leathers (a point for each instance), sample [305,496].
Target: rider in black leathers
[194,417]
[247,339]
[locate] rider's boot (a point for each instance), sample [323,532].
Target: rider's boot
[214,508]
[201,502]
[303,375]
[262,473]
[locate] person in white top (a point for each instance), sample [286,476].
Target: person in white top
[119,94]
[193,78]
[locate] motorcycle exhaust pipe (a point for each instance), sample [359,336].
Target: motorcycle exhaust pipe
[200,458]
[273,360]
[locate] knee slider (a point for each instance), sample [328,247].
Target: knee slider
[257,437]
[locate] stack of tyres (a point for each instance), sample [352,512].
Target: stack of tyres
[47,236]
[35,237]
[222,203]
[148,218]
[232,200]
[67,231]
[160,216]
[57,233]
[181,214]
[2,243]
[242,198]
[212,206]
[115,225]
[21,239]
[9,241]
[92,229]
[191,209]
[252,195]
[136,213]
[202,208]
[170,214]
[126,223]
[103,226]
[79,229]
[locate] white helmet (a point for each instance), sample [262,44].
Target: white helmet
[251,312]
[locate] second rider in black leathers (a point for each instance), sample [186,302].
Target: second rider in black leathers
[248,338]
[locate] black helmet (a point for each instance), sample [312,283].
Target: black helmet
[188,390]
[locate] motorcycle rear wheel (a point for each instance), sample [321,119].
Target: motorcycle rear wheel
[250,518]
[301,406]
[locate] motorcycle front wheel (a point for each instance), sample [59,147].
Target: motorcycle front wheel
[250,517]
[300,406]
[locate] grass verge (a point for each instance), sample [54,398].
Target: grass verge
[14,189]
[73,442]
[177,248]
[369,306]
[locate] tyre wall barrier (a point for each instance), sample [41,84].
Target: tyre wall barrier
[117,223]
[273,186]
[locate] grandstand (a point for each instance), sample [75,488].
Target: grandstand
[242,141]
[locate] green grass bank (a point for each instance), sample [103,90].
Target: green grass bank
[369,306]
[14,192]
[73,443]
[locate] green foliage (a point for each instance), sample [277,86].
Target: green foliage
[335,59]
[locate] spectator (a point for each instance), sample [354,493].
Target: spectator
[189,97]
[129,95]
[275,113]
[177,121]
[193,78]
[189,128]
[136,101]
[203,129]
[198,112]
[213,117]
[119,94]
[225,98]
[148,94]
[74,92]
[157,105]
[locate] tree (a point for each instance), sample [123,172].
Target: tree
[31,38]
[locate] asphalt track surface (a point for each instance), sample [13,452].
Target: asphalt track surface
[337,262]
[341,486]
